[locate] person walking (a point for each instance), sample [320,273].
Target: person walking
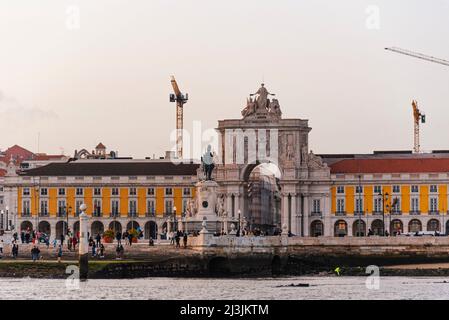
[98,239]
[130,238]
[35,253]
[74,241]
[101,251]
[185,239]
[177,239]
[118,237]
[15,250]
[94,246]
[1,246]
[59,254]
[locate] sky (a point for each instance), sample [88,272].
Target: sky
[75,73]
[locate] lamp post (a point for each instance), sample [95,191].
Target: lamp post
[7,218]
[385,197]
[240,223]
[175,226]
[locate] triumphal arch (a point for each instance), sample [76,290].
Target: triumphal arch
[268,178]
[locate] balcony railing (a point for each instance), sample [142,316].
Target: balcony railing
[316,213]
[26,214]
[377,213]
[132,214]
[396,213]
[43,214]
[61,214]
[114,214]
[150,214]
[340,213]
[434,212]
[97,214]
[358,213]
[415,212]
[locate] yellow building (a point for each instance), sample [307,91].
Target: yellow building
[119,194]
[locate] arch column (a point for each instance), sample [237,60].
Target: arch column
[284,210]
[349,224]
[229,203]
[52,229]
[294,215]
[306,215]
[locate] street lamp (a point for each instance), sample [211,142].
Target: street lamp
[7,218]
[240,222]
[385,197]
[175,226]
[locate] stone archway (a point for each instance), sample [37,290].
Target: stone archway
[340,228]
[396,227]
[433,225]
[61,229]
[97,227]
[377,227]
[414,225]
[261,197]
[115,226]
[316,228]
[150,230]
[44,227]
[359,228]
[132,225]
[26,225]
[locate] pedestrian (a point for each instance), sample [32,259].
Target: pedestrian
[1,246]
[185,239]
[98,238]
[54,243]
[94,246]
[101,250]
[22,236]
[27,237]
[151,242]
[74,242]
[69,244]
[47,242]
[122,252]
[117,252]
[130,239]
[118,236]
[59,253]
[15,250]
[35,253]
[61,238]
[177,240]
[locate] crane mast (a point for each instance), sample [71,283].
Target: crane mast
[180,99]
[417,118]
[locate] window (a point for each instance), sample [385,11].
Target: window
[316,206]
[415,189]
[44,207]
[434,188]
[433,204]
[396,189]
[340,189]
[186,191]
[78,204]
[115,192]
[168,206]
[115,205]
[396,205]
[359,205]
[79,191]
[358,189]
[340,205]
[26,207]
[97,191]
[150,207]
[150,191]
[377,204]
[97,208]
[26,191]
[132,207]
[377,189]
[61,208]
[132,191]
[44,191]
[61,191]
[168,191]
[415,204]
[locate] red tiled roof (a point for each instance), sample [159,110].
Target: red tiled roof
[415,165]
[2,172]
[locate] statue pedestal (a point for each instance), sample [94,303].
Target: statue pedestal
[206,193]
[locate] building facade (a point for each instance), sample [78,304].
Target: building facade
[268,179]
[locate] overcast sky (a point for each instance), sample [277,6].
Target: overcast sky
[106,76]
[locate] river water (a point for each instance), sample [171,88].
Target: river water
[260,288]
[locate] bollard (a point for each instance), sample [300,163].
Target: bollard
[84,244]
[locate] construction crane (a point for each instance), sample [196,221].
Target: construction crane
[418,55]
[417,118]
[180,99]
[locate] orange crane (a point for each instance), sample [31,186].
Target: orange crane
[417,117]
[180,99]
